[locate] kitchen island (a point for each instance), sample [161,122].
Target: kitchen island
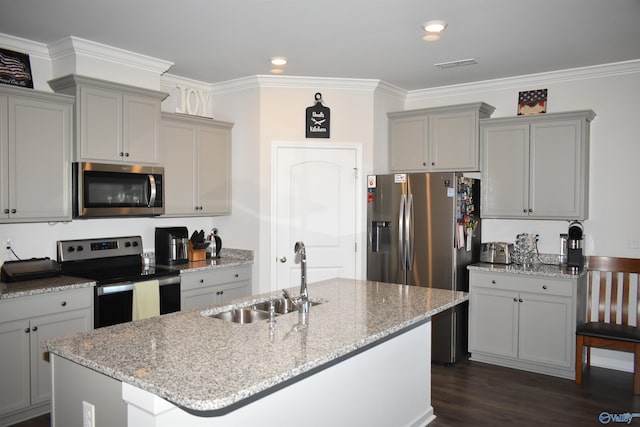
[362,357]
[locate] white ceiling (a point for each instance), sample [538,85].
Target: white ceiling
[218,40]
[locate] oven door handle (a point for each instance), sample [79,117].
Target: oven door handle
[128,285]
[115,288]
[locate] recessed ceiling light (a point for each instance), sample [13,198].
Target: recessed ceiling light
[431,37]
[278,60]
[434,26]
[458,63]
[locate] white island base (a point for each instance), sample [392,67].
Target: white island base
[388,384]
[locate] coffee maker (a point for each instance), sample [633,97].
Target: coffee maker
[574,246]
[172,245]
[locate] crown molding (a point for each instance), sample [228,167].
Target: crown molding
[70,46]
[289,82]
[560,76]
[35,49]
[171,80]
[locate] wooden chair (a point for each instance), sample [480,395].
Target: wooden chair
[618,312]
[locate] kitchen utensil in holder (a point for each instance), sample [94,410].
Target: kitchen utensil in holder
[525,249]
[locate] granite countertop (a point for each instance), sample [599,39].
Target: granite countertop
[547,270]
[204,364]
[229,258]
[42,286]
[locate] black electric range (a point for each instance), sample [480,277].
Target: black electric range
[116,265]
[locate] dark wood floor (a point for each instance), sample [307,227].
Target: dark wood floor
[476,394]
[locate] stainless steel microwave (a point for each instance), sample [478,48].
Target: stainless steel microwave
[112,190]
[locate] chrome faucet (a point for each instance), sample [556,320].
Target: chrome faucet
[302,301]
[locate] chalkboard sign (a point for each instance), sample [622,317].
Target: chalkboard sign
[318,119]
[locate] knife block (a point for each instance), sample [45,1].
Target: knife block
[197,254]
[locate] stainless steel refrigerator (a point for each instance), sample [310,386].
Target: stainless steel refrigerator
[423,230]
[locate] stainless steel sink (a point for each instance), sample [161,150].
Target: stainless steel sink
[258,312]
[281,305]
[242,315]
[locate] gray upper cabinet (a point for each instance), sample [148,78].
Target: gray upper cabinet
[36,130]
[436,139]
[536,166]
[114,122]
[197,165]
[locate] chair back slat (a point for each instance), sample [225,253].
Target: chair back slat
[625,299]
[589,295]
[613,305]
[622,274]
[602,301]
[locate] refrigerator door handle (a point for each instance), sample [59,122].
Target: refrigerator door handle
[401,228]
[409,233]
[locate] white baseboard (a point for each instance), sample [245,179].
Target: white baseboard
[609,359]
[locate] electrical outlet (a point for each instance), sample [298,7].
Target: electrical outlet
[88,415]
[8,244]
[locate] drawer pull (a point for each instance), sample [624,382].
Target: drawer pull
[544,287]
[236,275]
[493,282]
[201,280]
[63,303]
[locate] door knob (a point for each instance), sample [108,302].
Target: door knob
[283,259]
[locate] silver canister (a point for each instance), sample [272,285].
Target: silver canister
[562,258]
[178,248]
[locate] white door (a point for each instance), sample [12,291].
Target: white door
[315,196]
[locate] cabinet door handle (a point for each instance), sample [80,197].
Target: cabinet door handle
[433,163]
[13,211]
[520,300]
[6,211]
[236,275]
[201,280]
[530,210]
[515,299]
[63,303]
[524,210]
[26,331]
[121,154]
[493,282]
[35,328]
[424,163]
[283,259]
[544,287]
[126,154]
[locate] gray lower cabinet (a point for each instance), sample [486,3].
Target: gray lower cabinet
[436,139]
[25,323]
[207,287]
[36,130]
[525,322]
[536,166]
[197,165]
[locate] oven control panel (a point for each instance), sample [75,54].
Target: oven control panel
[87,249]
